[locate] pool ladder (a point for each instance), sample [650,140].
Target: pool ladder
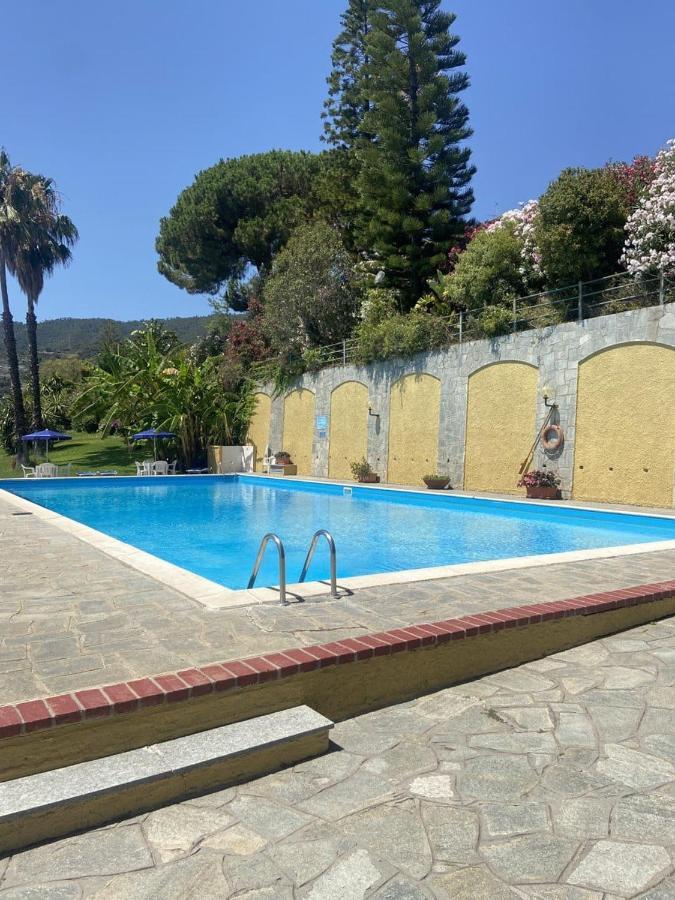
[308,559]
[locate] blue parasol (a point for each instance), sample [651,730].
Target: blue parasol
[45,435]
[151,434]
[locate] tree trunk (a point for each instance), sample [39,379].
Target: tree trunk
[31,329]
[12,361]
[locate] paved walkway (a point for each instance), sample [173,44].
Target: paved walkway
[551,781]
[72,617]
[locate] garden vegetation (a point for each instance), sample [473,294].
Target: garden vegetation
[368,243]
[371,240]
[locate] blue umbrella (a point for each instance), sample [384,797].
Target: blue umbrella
[45,435]
[151,434]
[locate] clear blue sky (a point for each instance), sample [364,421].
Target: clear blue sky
[123,102]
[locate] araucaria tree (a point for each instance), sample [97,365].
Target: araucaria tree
[348,100]
[414,168]
[344,109]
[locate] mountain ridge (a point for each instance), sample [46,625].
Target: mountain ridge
[81,336]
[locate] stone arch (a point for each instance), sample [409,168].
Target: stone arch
[625,425]
[414,411]
[348,427]
[259,428]
[500,425]
[298,436]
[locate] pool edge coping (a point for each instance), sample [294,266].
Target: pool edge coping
[211,595]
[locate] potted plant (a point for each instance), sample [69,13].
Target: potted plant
[436,482]
[282,458]
[363,473]
[540,485]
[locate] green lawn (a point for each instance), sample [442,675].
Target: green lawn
[87,453]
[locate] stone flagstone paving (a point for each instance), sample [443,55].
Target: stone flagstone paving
[72,617]
[551,781]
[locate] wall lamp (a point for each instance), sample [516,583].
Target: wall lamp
[371,413]
[548,395]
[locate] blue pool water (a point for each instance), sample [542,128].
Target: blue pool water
[213,526]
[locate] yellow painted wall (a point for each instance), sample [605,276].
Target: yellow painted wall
[259,428]
[348,428]
[413,428]
[299,428]
[625,437]
[500,425]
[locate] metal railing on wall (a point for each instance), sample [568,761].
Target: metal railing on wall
[572,303]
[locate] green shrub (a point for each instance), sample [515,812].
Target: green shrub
[490,272]
[580,226]
[495,320]
[400,335]
[312,295]
[313,359]
[380,304]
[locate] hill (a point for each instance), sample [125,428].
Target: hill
[81,337]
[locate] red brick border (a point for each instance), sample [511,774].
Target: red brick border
[174,687]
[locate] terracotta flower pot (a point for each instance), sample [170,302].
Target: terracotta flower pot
[539,492]
[369,479]
[436,484]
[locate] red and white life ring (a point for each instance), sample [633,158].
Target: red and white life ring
[552,443]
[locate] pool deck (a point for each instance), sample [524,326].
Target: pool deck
[73,617]
[550,781]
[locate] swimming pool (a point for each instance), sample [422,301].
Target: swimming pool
[212,526]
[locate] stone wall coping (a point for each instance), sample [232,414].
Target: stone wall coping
[177,687]
[100,777]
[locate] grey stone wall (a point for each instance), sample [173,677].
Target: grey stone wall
[557,352]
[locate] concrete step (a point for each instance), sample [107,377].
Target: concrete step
[56,803]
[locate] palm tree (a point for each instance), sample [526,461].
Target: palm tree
[46,242]
[10,233]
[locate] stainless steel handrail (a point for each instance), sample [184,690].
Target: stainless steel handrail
[282,565]
[333,559]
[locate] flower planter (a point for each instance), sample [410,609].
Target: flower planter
[436,484]
[537,492]
[369,479]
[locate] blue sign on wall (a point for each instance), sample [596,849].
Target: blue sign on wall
[322,425]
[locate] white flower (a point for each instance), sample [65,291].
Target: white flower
[650,241]
[522,219]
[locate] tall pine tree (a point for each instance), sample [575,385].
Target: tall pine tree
[347,100]
[344,110]
[413,170]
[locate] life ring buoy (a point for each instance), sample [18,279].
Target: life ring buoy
[555,442]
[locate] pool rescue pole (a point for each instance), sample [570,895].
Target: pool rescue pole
[542,431]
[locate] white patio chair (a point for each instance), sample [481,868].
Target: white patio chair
[172,467]
[161,467]
[267,460]
[29,471]
[140,469]
[46,470]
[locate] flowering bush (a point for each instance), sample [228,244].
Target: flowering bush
[650,244]
[634,177]
[489,272]
[539,478]
[470,233]
[246,341]
[522,219]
